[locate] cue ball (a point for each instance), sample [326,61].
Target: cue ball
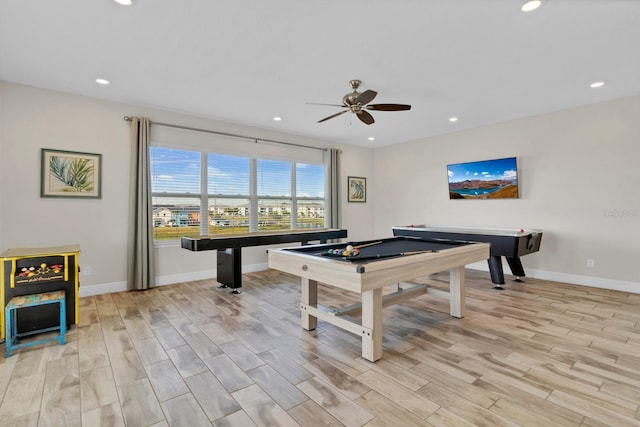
[349,248]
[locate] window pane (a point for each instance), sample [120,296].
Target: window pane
[228,215]
[228,175]
[174,171]
[309,180]
[175,217]
[310,214]
[274,214]
[274,178]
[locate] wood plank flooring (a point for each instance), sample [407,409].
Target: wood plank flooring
[535,354]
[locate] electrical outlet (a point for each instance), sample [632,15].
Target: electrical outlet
[590,263]
[86,270]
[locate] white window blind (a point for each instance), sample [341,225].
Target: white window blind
[204,185]
[228,182]
[310,195]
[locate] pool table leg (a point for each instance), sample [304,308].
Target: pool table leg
[309,298]
[457,292]
[372,319]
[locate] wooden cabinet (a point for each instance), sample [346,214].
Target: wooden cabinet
[25,271]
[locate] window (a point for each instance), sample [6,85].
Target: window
[175,191]
[200,192]
[228,200]
[310,194]
[274,181]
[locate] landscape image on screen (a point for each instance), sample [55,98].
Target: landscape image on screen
[487,179]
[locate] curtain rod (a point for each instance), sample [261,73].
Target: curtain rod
[169,125]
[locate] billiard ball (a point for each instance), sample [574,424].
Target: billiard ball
[349,248]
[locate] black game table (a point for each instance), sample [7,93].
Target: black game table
[511,244]
[229,247]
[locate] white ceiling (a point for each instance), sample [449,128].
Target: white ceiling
[245,61]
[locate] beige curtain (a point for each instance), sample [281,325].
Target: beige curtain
[141,272]
[334,188]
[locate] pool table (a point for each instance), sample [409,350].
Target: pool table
[382,262]
[511,244]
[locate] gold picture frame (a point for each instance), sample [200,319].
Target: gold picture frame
[356,189]
[70,174]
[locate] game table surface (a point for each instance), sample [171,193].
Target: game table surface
[379,249]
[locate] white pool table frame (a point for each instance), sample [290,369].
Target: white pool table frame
[314,270]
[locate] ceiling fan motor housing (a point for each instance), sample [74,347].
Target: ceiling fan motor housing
[349,100]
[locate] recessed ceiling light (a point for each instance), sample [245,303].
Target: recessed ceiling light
[531,5]
[103,82]
[453,119]
[125,2]
[277,119]
[371,138]
[596,84]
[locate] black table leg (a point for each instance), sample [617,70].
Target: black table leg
[516,268]
[497,274]
[229,269]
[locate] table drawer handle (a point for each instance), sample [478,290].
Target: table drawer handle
[304,267]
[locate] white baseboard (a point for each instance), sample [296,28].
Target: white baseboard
[105,288]
[595,282]
[574,279]
[186,277]
[108,288]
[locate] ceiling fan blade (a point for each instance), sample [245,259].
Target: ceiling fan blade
[366,97]
[389,107]
[332,116]
[365,117]
[330,105]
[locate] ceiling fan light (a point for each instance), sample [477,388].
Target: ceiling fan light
[531,5]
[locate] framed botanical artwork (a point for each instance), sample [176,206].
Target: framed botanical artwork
[357,189]
[70,174]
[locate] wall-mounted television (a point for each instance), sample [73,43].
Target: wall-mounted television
[486,179]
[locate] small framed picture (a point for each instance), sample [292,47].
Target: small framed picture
[357,189]
[70,174]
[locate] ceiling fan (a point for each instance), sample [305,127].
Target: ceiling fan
[358,103]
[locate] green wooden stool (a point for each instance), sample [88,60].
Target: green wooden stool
[22,301]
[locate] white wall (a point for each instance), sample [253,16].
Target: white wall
[3,150]
[577,170]
[32,119]
[579,182]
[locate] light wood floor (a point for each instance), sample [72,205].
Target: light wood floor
[535,354]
